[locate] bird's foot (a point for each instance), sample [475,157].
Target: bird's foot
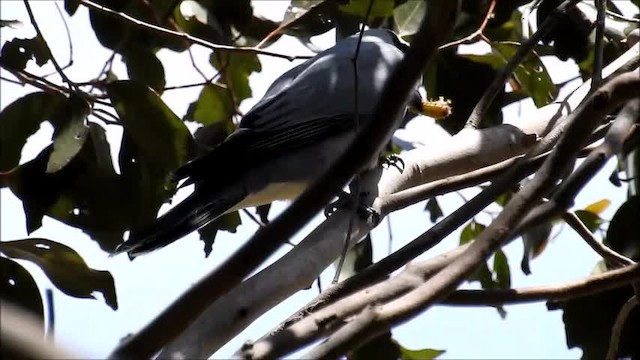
[395,161]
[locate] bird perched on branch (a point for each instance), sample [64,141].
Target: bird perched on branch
[288,139]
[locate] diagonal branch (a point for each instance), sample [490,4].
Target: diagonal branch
[618,326]
[46,45]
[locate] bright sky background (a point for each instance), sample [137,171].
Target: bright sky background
[147,285]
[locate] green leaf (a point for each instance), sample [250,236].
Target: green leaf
[71,137]
[143,113]
[18,287]
[623,225]
[64,267]
[144,185]
[535,241]
[599,206]
[531,74]
[471,232]
[434,209]
[307,18]
[85,194]
[21,119]
[227,222]
[501,270]
[357,259]
[504,198]
[422,354]
[144,67]
[408,17]
[591,220]
[380,8]
[17,52]
[299,8]
[213,106]
[235,69]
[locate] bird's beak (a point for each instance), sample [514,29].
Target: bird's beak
[437,109]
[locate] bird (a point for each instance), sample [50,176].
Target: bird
[305,120]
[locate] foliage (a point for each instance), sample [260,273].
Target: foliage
[73,179]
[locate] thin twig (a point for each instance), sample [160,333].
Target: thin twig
[195,66]
[608,254]
[36,81]
[97,111]
[618,326]
[355,196]
[44,42]
[253,218]
[68,32]
[474,35]
[185,36]
[11,81]
[220,85]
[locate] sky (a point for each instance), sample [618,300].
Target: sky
[147,285]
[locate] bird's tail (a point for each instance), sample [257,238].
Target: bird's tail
[189,215]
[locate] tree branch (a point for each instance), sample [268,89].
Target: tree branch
[610,256]
[618,326]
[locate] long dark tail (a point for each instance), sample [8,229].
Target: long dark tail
[191,214]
